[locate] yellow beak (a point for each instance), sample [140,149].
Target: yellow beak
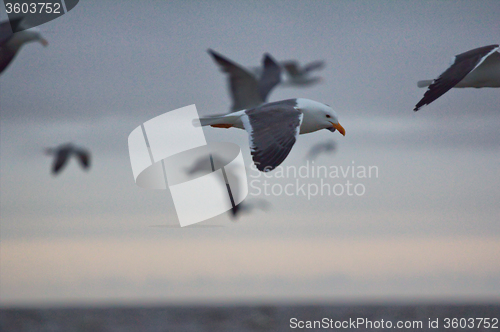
[339,128]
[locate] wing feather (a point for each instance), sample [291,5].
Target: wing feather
[273,131]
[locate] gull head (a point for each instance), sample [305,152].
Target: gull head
[318,116]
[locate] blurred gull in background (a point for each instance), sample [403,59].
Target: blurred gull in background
[63,152]
[327,147]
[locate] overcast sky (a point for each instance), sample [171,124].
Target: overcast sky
[427,227]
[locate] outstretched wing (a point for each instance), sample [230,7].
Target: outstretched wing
[83,157]
[292,68]
[272,130]
[464,63]
[60,160]
[271,76]
[243,85]
[315,65]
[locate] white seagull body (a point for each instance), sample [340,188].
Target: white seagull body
[274,127]
[63,153]
[477,68]
[11,43]
[247,90]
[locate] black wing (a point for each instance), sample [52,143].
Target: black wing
[292,68]
[83,157]
[61,160]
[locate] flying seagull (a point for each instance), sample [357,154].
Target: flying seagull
[64,152]
[293,75]
[320,148]
[477,68]
[274,127]
[298,76]
[10,42]
[248,90]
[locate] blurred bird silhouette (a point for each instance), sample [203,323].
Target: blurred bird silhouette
[11,42]
[301,76]
[327,147]
[247,206]
[206,164]
[64,152]
[293,75]
[477,68]
[246,89]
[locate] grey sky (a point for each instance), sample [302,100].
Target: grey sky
[427,227]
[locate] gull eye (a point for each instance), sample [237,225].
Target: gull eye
[328,116]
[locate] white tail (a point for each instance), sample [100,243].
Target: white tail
[211,120]
[424,83]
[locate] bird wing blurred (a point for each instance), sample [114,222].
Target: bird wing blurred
[60,161]
[83,157]
[271,76]
[243,85]
[315,65]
